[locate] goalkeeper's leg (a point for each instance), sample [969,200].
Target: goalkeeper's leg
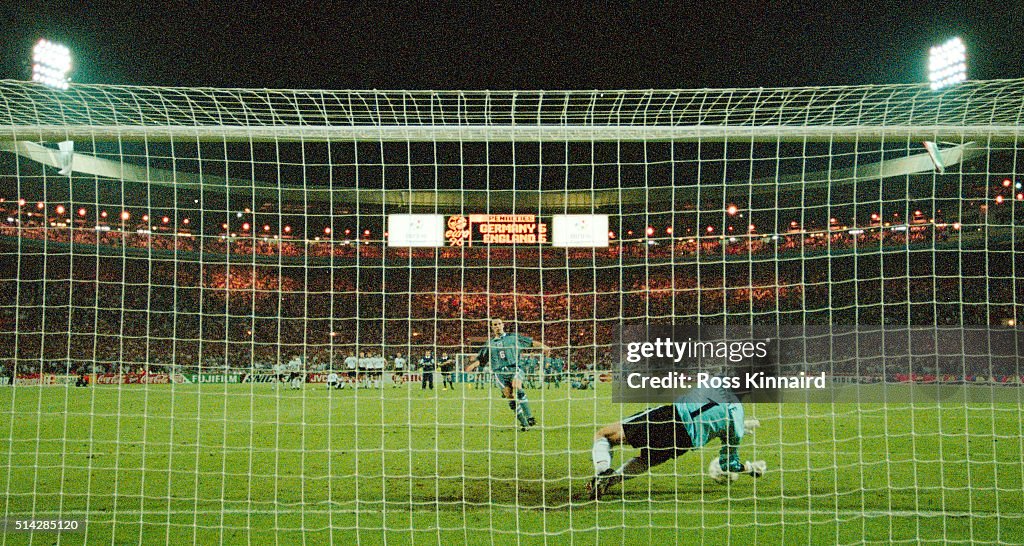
[601,453]
[656,431]
[632,468]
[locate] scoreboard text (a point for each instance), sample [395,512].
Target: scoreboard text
[496,229]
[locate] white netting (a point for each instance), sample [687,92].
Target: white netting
[199,246]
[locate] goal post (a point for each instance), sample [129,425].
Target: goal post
[168,254]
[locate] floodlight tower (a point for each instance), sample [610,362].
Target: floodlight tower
[50,64]
[947,64]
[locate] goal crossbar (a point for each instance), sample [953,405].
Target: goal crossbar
[514,133]
[977,110]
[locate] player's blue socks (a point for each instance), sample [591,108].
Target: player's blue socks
[521,406]
[520,412]
[524,403]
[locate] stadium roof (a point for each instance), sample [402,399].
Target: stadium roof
[981,111]
[492,199]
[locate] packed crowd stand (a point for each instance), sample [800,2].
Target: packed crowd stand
[137,314]
[196,312]
[708,246]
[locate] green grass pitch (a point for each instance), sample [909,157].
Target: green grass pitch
[246,464]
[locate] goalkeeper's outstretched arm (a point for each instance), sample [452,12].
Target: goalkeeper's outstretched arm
[729,455]
[728,465]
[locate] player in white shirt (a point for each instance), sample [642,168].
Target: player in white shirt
[297,366]
[379,362]
[333,382]
[351,364]
[367,369]
[399,377]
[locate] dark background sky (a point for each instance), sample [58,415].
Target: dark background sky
[546,45]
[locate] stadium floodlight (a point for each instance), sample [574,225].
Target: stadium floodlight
[947,64]
[51,63]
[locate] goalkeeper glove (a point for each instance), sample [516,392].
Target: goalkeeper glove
[716,473]
[755,469]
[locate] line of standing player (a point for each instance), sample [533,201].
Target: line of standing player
[368,371]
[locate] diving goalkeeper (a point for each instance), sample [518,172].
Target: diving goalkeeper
[666,432]
[502,352]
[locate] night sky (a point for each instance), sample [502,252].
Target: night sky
[370,45]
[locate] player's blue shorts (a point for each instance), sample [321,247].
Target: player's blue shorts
[505,376]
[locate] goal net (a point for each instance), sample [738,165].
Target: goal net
[208,333]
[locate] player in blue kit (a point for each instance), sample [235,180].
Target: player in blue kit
[529,367]
[553,369]
[502,352]
[665,432]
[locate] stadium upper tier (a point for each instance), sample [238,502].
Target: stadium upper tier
[977,110]
[264,250]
